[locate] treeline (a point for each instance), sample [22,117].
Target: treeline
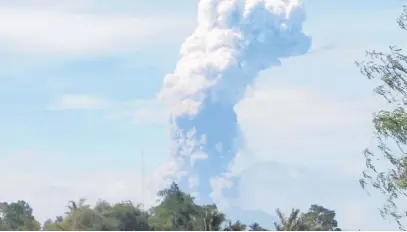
[177,211]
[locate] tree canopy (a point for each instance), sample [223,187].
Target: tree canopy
[175,212]
[386,165]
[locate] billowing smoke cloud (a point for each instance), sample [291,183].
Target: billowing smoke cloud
[233,41]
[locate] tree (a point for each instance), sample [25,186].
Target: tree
[74,219]
[107,221]
[320,219]
[82,217]
[212,219]
[237,226]
[129,217]
[294,221]
[177,211]
[50,225]
[256,227]
[17,216]
[390,70]
[123,216]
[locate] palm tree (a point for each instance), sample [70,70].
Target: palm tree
[72,206]
[256,227]
[237,226]
[212,219]
[74,211]
[292,223]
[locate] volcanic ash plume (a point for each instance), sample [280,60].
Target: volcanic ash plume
[233,41]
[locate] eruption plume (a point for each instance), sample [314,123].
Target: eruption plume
[233,41]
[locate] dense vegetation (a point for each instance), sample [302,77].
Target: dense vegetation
[176,211]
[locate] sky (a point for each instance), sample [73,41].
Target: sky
[79,82]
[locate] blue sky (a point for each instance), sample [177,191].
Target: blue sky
[78,86]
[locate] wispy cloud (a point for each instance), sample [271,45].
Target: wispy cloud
[79,102]
[60,30]
[139,111]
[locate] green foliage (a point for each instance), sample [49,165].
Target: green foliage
[212,219]
[124,216]
[129,217]
[293,222]
[17,216]
[318,218]
[237,226]
[176,211]
[50,225]
[256,227]
[390,70]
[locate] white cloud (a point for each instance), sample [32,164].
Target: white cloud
[218,185]
[290,119]
[58,29]
[303,147]
[303,144]
[197,156]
